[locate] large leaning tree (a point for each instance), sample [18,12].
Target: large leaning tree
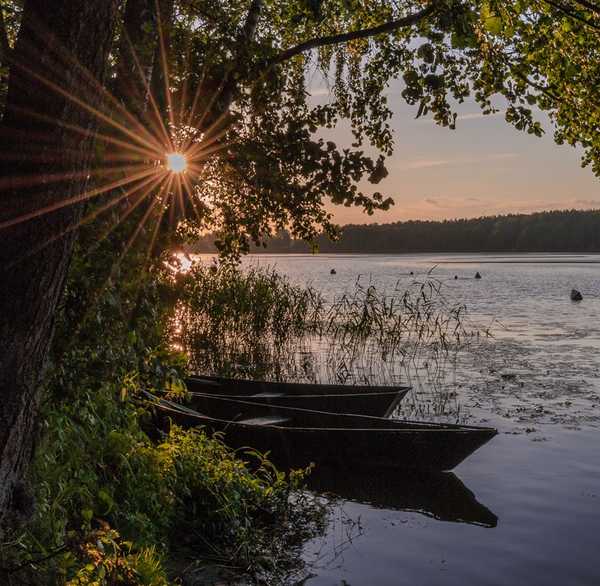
[105,103]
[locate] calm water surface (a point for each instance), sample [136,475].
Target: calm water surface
[523,510]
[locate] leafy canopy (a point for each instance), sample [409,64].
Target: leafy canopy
[276,170]
[240,74]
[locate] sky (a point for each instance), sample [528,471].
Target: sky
[484,167]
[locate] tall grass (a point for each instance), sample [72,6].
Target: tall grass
[255,322]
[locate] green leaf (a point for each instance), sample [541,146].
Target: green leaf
[493,24]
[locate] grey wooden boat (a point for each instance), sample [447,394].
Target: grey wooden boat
[298,437]
[379,401]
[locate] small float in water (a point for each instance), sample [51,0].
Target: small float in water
[576,295]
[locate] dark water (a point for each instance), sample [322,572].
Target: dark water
[528,514]
[524,509]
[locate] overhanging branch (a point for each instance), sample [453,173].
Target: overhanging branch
[386,27]
[589,5]
[574,15]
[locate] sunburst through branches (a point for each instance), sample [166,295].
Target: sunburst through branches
[152,159]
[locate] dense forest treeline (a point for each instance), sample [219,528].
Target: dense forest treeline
[555,231]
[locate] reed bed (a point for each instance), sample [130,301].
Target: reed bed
[256,323]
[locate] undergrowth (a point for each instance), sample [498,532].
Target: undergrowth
[116,499]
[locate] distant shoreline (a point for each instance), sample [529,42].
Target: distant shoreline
[571,257]
[557,232]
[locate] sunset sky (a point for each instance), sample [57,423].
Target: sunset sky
[483,167]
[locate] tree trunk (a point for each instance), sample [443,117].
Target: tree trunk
[65,42]
[137,51]
[161,58]
[4,45]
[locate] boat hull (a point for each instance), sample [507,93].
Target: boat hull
[242,386]
[375,404]
[299,437]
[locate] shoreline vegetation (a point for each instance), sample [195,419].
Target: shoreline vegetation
[254,323]
[556,231]
[132,128]
[114,499]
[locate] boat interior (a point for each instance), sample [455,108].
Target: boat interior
[248,413]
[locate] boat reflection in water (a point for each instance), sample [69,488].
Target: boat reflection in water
[439,495]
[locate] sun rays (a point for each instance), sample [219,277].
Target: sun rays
[146,164]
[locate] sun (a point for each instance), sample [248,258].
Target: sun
[176,162]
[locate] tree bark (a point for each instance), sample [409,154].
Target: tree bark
[137,51]
[161,58]
[64,44]
[4,44]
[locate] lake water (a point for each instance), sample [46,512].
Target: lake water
[524,509]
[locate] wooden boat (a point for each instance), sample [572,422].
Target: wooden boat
[298,437]
[378,401]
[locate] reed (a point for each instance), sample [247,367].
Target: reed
[255,322]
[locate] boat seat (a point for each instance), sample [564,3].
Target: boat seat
[265,420]
[267,395]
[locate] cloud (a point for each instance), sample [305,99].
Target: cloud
[587,202]
[464,117]
[478,115]
[427,163]
[452,202]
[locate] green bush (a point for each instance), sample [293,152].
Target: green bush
[119,500]
[114,504]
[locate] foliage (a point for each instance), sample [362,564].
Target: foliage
[117,500]
[524,55]
[221,300]
[111,496]
[255,320]
[241,74]
[115,504]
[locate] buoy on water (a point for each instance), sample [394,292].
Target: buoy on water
[576,295]
[477,275]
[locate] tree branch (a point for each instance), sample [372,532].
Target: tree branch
[245,37]
[251,23]
[387,27]
[589,5]
[566,10]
